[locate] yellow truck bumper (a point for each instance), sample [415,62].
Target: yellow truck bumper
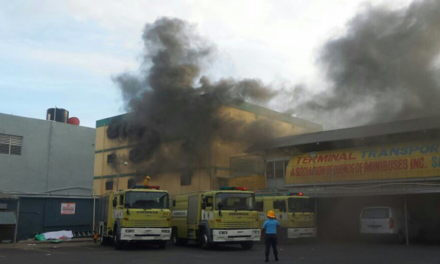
[228,235]
[145,234]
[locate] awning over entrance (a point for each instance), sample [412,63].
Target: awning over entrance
[364,190]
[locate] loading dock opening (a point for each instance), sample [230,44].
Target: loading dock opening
[339,209]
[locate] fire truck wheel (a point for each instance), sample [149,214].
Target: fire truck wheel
[247,245]
[204,241]
[176,240]
[102,238]
[117,239]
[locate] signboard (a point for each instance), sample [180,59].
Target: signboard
[412,160]
[68,208]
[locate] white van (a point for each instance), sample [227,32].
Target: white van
[387,221]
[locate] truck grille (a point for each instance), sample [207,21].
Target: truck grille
[236,225]
[144,223]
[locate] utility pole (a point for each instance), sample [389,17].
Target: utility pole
[118,170]
[313,157]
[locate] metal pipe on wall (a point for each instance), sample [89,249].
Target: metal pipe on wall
[94,210]
[406,221]
[16,224]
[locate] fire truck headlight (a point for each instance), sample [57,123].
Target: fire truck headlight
[223,232]
[129,231]
[256,232]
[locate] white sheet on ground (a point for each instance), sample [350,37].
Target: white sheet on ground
[58,234]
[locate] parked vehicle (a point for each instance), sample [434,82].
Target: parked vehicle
[387,221]
[225,216]
[294,211]
[139,214]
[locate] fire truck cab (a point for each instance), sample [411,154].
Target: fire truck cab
[139,214]
[294,211]
[227,216]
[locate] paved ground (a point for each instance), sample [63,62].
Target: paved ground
[88,252]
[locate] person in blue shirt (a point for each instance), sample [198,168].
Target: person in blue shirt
[270,227]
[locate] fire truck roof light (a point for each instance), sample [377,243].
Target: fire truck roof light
[227,188]
[146,187]
[296,194]
[233,188]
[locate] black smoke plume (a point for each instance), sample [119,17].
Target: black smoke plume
[385,68]
[169,101]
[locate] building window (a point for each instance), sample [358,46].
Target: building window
[185,179]
[10,145]
[276,169]
[279,169]
[270,170]
[109,186]
[131,183]
[111,158]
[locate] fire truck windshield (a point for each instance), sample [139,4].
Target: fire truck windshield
[235,201]
[147,200]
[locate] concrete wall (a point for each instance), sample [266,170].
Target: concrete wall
[54,155]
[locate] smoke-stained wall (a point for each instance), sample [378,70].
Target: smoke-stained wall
[207,175]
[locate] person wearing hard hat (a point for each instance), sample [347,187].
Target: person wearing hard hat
[270,227]
[147,181]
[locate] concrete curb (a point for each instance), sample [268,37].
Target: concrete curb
[34,243]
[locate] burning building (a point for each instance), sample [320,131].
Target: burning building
[182,128]
[220,163]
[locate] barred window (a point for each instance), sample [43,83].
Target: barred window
[131,183]
[10,145]
[109,185]
[111,158]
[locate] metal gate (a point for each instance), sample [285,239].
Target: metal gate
[39,215]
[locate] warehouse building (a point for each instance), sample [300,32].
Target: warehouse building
[393,164]
[48,165]
[227,163]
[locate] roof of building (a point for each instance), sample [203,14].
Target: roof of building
[375,130]
[248,107]
[4,196]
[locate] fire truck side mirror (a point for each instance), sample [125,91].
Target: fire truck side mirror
[174,203]
[203,206]
[114,203]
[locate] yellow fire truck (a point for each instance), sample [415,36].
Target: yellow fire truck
[294,211]
[225,216]
[138,214]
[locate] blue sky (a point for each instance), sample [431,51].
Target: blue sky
[65,53]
